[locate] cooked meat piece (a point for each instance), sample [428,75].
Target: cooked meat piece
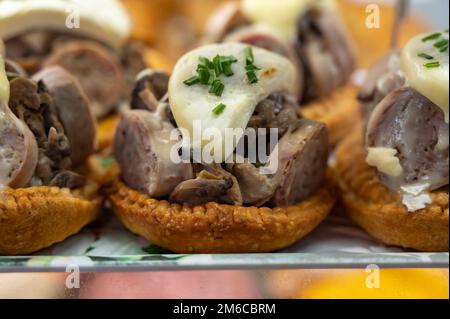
[143,148]
[265,38]
[13,69]
[415,127]
[30,49]
[302,161]
[67,179]
[73,110]
[151,87]
[325,52]
[31,103]
[33,43]
[385,77]
[279,110]
[213,184]
[98,71]
[257,189]
[18,150]
[226,19]
[133,62]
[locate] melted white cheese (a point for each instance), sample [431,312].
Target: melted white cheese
[280,14]
[430,82]
[416,197]
[385,160]
[104,20]
[193,103]
[4,83]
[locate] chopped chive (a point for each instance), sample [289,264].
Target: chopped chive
[441,44]
[212,78]
[252,67]
[431,37]
[191,81]
[228,59]
[443,49]
[226,67]
[217,65]
[250,59]
[252,78]
[217,88]
[209,71]
[432,65]
[425,56]
[206,62]
[219,109]
[203,75]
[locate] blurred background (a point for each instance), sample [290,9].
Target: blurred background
[170,27]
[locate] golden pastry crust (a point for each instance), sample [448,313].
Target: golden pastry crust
[215,228]
[338,112]
[380,212]
[37,217]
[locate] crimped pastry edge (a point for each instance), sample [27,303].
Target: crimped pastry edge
[380,212]
[216,228]
[34,218]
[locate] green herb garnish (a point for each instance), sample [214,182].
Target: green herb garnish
[252,78]
[192,81]
[249,57]
[219,109]
[217,88]
[250,67]
[203,75]
[206,62]
[426,56]
[432,65]
[208,73]
[441,44]
[431,37]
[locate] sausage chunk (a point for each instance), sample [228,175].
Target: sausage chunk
[143,148]
[302,161]
[415,127]
[73,110]
[98,71]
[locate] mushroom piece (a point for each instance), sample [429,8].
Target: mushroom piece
[143,147]
[213,184]
[257,189]
[413,126]
[151,87]
[73,110]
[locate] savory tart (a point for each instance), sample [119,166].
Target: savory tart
[312,36]
[225,200]
[395,179]
[90,39]
[47,132]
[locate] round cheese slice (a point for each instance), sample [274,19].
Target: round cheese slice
[104,20]
[4,83]
[280,14]
[192,106]
[431,81]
